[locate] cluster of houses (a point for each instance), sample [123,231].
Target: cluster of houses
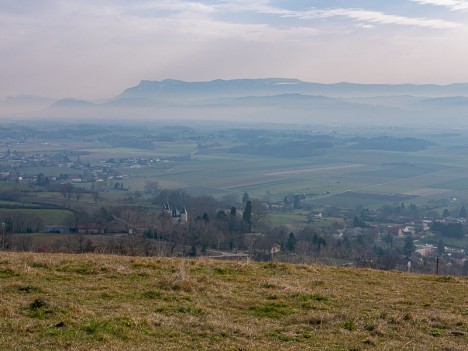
[421,230]
[133,162]
[82,172]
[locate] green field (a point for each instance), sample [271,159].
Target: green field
[54,217]
[287,218]
[279,177]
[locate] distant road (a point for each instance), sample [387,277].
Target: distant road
[312,170]
[193,153]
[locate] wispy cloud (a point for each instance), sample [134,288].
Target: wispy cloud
[454,5]
[366,17]
[176,6]
[376,17]
[357,14]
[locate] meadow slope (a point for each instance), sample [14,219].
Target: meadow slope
[97,302]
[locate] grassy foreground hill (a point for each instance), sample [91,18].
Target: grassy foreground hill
[97,302]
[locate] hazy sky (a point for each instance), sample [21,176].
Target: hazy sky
[96,48]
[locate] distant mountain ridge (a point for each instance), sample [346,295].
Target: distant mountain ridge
[177,89]
[69,102]
[272,100]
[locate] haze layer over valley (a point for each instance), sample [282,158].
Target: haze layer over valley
[273,100]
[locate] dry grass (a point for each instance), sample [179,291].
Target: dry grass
[91,302]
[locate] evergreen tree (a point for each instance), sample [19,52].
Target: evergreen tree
[247,216]
[454,230]
[409,247]
[233,211]
[291,243]
[440,247]
[358,223]
[462,212]
[245,197]
[297,202]
[320,242]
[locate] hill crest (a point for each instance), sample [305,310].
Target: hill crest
[50,301]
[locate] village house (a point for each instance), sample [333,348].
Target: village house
[90,228]
[426,250]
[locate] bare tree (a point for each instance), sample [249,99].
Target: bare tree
[22,243]
[66,190]
[151,187]
[78,193]
[178,237]
[5,237]
[131,216]
[77,217]
[259,214]
[95,196]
